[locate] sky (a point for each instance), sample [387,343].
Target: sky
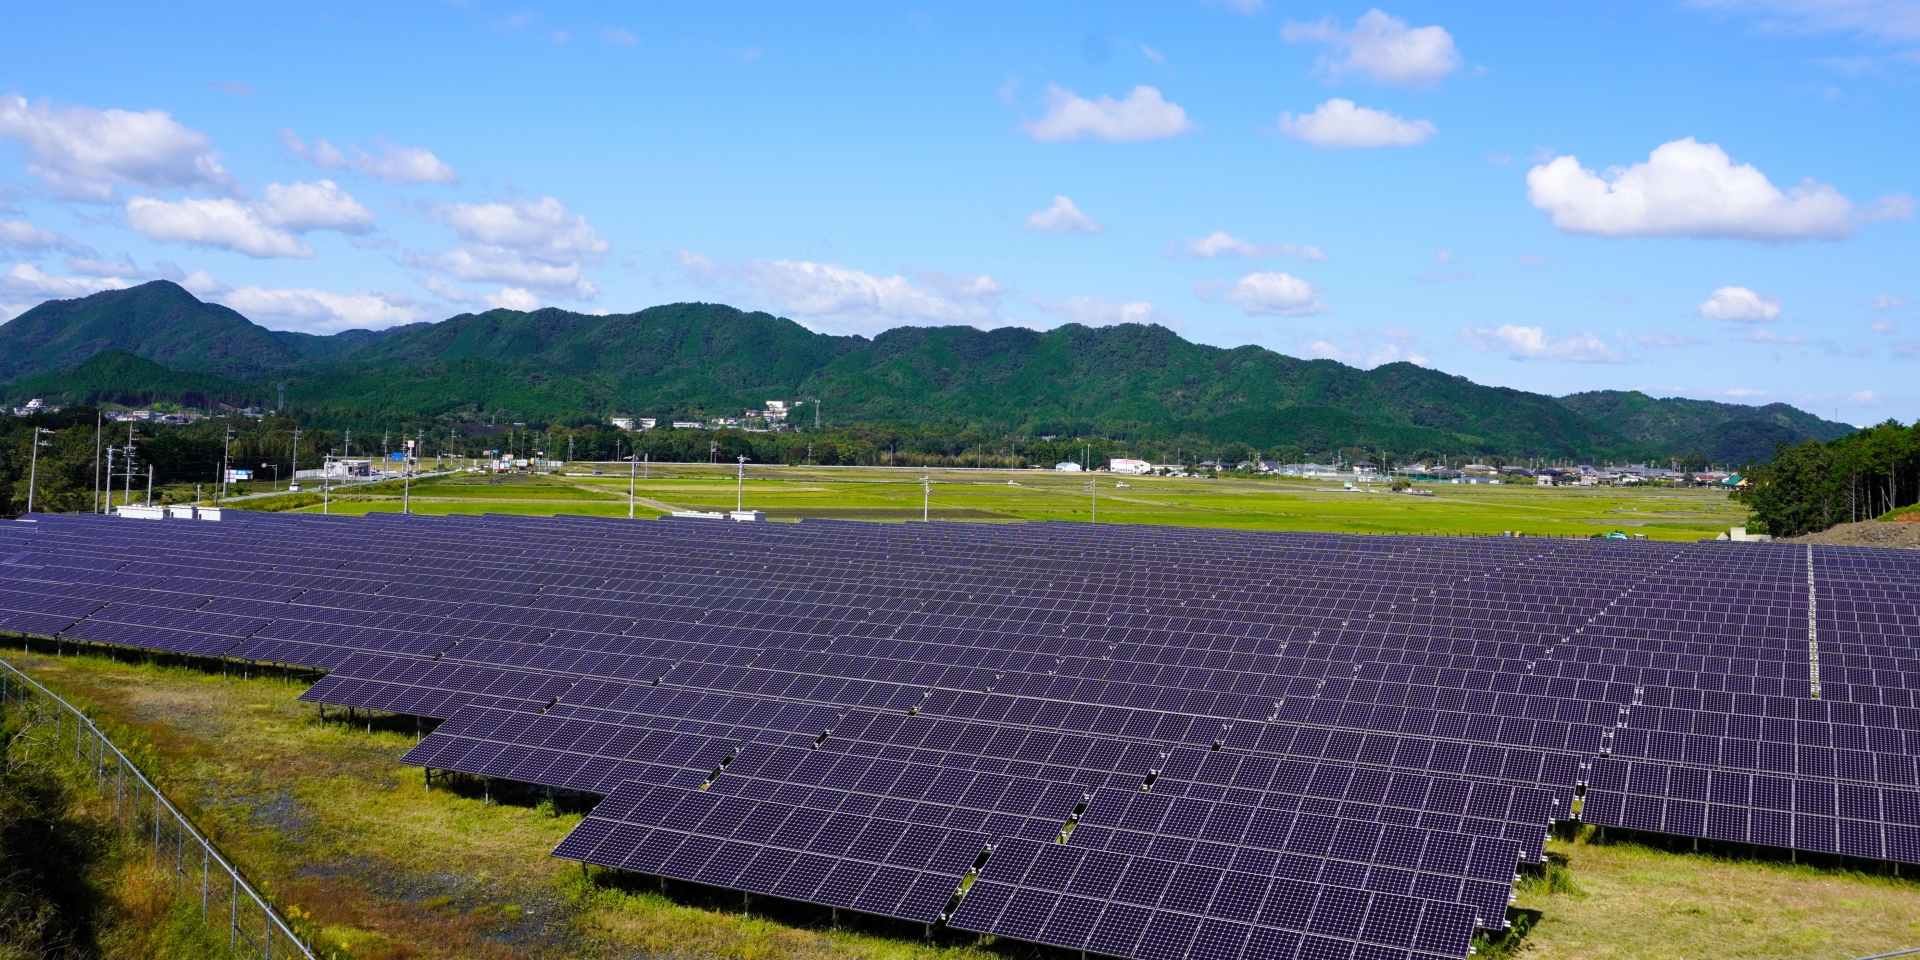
[1705,198]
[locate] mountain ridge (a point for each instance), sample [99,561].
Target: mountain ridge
[697,360]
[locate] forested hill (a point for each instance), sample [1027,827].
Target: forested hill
[692,360]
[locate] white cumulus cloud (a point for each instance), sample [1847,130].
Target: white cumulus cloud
[1062,217]
[508,298]
[531,244]
[257,228]
[26,286]
[1690,189]
[1532,343]
[1275,294]
[1741,304]
[321,154]
[398,163]
[395,163]
[1888,302]
[219,223]
[102,267]
[21,235]
[1371,348]
[81,153]
[1141,115]
[1223,244]
[856,299]
[25,278]
[320,205]
[316,311]
[543,229]
[494,265]
[1383,49]
[1101,312]
[1339,124]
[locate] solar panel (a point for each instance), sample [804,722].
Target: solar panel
[1134,741]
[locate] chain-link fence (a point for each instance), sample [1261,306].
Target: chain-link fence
[254,928]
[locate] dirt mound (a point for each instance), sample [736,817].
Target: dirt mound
[1868,533]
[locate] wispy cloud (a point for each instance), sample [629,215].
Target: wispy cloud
[1141,115]
[1532,343]
[1222,244]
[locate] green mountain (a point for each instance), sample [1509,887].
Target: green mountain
[1725,432]
[122,378]
[694,360]
[162,322]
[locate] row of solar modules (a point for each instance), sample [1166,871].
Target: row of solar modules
[1172,921]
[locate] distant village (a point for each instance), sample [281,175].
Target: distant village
[773,418]
[1584,475]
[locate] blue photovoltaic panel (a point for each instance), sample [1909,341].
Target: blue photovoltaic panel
[1149,742]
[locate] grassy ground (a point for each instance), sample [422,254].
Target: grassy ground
[791,493]
[1625,900]
[77,875]
[324,813]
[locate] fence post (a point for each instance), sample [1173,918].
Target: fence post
[98,752]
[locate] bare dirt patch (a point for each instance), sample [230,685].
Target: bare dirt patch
[1867,533]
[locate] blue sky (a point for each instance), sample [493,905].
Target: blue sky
[1708,199]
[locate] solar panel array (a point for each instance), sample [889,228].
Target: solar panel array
[1134,741]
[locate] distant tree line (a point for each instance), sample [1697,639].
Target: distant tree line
[1813,486]
[74,458]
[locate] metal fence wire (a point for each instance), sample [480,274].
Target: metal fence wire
[254,927]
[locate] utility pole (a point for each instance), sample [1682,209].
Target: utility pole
[129,463]
[109,504]
[406,480]
[149,484]
[647,458]
[926,498]
[630,493]
[226,466]
[713,452]
[293,474]
[816,413]
[33,471]
[740,488]
[99,425]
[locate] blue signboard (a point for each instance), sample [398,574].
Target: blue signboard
[396,456]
